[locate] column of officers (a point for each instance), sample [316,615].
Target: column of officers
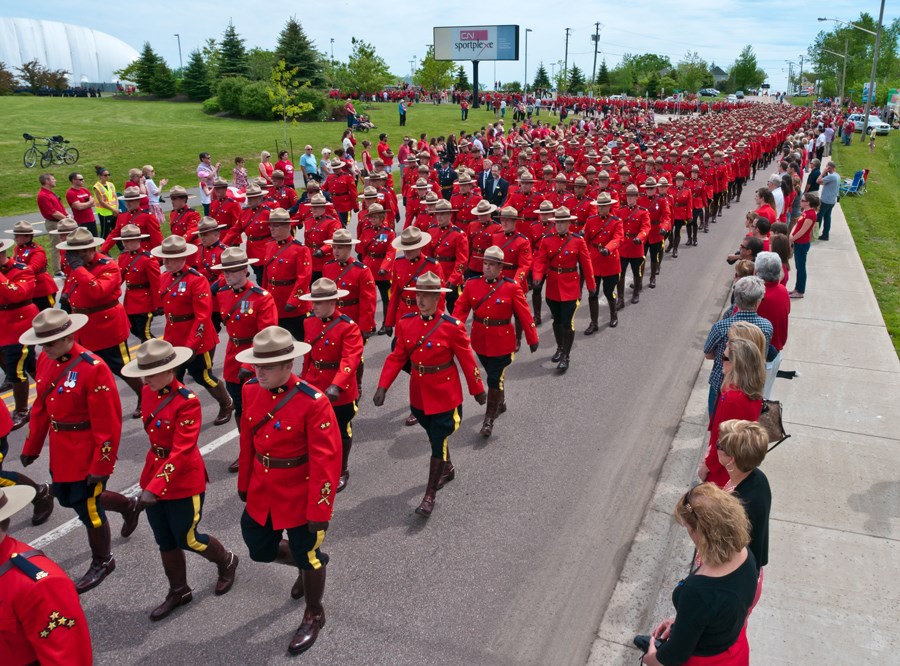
[284,284]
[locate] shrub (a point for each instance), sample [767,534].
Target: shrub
[255,102]
[317,99]
[212,106]
[229,93]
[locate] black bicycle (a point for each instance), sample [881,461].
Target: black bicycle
[48,150]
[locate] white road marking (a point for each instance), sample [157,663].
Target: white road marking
[131,491]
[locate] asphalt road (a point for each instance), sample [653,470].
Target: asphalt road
[519,559]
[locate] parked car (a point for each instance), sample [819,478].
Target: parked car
[708,92]
[739,94]
[732,99]
[875,123]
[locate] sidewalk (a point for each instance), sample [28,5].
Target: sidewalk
[831,594]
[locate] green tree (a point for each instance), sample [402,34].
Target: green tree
[462,79]
[7,80]
[745,72]
[298,51]
[213,59]
[260,64]
[229,92]
[367,71]
[163,83]
[693,72]
[254,101]
[434,74]
[146,68]
[195,82]
[283,92]
[512,86]
[233,55]
[603,74]
[576,82]
[541,79]
[651,85]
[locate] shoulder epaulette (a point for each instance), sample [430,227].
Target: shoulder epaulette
[186,393]
[359,264]
[256,289]
[330,261]
[410,314]
[104,260]
[194,271]
[578,234]
[255,380]
[453,320]
[30,569]
[311,391]
[296,242]
[345,318]
[21,266]
[146,254]
[216,287]
[90,358]
[506,278]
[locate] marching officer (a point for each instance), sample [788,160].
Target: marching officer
[465,200]
[210,249]
[140,275]
[173,481]
[603,235]
[245,309]
[480,233]
[699,199]
[223,209]
[254,222]
[450,248]
[557,261]
[93,287]
[342,187]
[33,255]
[539,230]
[516,248]
[279,194]
[183,220]
[187,303]
[657,207]
[17,309]
[374,245]
[494,300]
[526,200]
[289,469]
[78,404]
[42,622]
[142,218]
[331,365]
[636,228]
[429,341]
[63,228]
[318,227]
[682,210]
[286,273]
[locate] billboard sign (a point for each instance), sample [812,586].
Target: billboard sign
[480,42]
[865,94]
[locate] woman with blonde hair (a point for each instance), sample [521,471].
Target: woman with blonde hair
[266,168]
[713,602]
[154,191]
[746,330]
[740,398]
[136,179]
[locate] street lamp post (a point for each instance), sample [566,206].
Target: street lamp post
[790,64]
[180,61]
[332,50]
[844,73]
[527,30]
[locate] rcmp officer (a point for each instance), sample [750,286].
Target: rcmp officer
[682,209]
[140,275]
[42,620]
[342,187]
[17,309]
[318,227]
[142,218]
[480,233]
[33,255]
[209,251]
[636,228]
[526,200]
[254,222]
[187,303]
[450,248]
[429,341]
[331,365]
[286,273]
[280,195]
[464,201]
[603,235]
[173,481]
[245,309]
[59,235]
[78,404]
[222,209]
[93,287]
[657,207]
[289,470]
[183,220]
[374,245]
[494,299]
[539,230]
[557,261]
[516,248]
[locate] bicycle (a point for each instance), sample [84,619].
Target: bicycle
[54,150]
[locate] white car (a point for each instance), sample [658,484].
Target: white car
[732,99]
[875,123]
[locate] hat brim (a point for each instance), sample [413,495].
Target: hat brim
[215,228]
[189,250]
[6,243]
[182,354]
[316,299]
[17,498]
[564,219]
[29,337]
[57,232]
[278,221]
[248,356]
[137,198]
[33,232]
[124,238]
[183,196]
[611,202]
[475,210]
[496,261]
[222,267]
[442,290]
[397,244]
[66,246]
[350,242]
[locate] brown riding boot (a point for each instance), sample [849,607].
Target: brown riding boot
[227,562]
[233,467]
[43,498]
[179,592]
[620,292]
[613,313]
[102,561]
[314,615]
[126,506]
[557,333]
[502,408]
[226,406]
[568,339]
[638,285]
[536,305]
[654,271]
[21,413]
[434,474]
[490,413]
[448,474]
[346,445]
[137,386]
[286,557]
[594,307]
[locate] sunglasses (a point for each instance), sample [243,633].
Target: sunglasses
[686,502]
[78,179]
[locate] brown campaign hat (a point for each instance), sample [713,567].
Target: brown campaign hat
[526,177]
[495,253]
[679,175]
[80,239]
[545,208]
[412,238]
[131,232]
[662,182]
[431,198]
[172,247]
[375,209]
[341,237]
[465,179]
[560,178]
[179,191]
[428,283]
[13,499]
[580,181]
[219,182]
[484,207]
[279,216]
[337,164]
[313,185]
[232,257]
[369,192]
[561,214]
[155,356]
[23,228]
[650,183]
[509,213]
[6,243]
[444,206]
[324,289]
[273,344]
[278,173]
[253,190]
[52,324]
[64,226]
[632,189]
[131,194]
[318,200]
[603,199]
[422,184]
[209,224]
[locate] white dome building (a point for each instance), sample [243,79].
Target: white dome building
[90,56]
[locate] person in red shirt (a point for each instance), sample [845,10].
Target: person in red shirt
[140,275]
[30,253]
[374,245]
[776,307]
[183,220]
[603,235]
[224,210]
[480,233]
[342,187]
[636,227]
[137,215]
[286,272]
[52,211]
[285,165]
[82,203]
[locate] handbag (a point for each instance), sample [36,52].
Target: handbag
[770,419]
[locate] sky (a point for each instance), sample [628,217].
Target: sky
[716,29]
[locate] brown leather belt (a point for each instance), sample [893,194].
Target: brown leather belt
[281,283]
[70,427]
[281,463]
[258,238]
[326,365]
[408,300]
[16,306]
[431,369]
[174,319]
[40,270]
[96,308]
[128,285]
[377,256]
[343,303]
[160,452]
[570,269]
[486,321]
[446,258]
[237,342]
[630,235]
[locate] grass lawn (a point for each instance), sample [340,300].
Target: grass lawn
[873,219]
[121,134]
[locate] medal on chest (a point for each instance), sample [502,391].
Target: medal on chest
[71,379]
[182,287]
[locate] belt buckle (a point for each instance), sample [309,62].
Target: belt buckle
[169,317]
[421,368]
[266,461]
[55,426]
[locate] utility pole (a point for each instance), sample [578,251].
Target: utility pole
[527,30]
[596,39]
[332,50]
[566,61]
[844,74]
[180,61]
[800,75]
[872,78]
